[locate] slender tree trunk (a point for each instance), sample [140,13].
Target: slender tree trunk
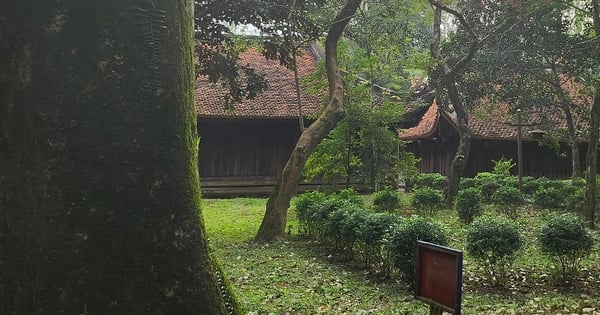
[566,106]
[449,83]
[274,222]
[99,192]
[589,207]
[464,144]
[575,164]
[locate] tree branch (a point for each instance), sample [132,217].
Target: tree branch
[336,29]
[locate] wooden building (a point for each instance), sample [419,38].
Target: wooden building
[433,137]
[242,151]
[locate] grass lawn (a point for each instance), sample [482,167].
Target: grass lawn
[297,276]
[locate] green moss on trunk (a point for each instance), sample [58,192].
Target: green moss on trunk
[99,196]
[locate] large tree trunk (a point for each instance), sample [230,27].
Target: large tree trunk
[99,192]
[274,222]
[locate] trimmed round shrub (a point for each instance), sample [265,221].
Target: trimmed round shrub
[468,182]
[488,188]
[548,197]
[340,226]
[427,200]
[575,200]
[386,200]
[531,185]
[494,242]
[303,204]
[370,234]
[350,195]
[432,180]
[511,181]
[509,199]
[468,204]
[565,239]
[402,240]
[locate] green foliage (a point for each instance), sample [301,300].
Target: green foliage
[503,166]
[468,182]
[386,200]
[407,168]
[401,244]
[548,197]
[299,276]
[340,226]
[489,188]
[230,299]
[508,199]
[218,53]
[362,146]
[575,200]
[350,195]
[432,180]
[531,185]
[489,183]
[370,235]
[304,203]
[565,239]
[468,204]
[494,243]
[427,200]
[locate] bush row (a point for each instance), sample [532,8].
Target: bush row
[387,241]
[380,240]
[494,242]
[498,190]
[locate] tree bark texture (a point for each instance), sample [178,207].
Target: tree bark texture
[274,221]
[590,204]
[464,139]
[449,84]
[575,165]
[99,192]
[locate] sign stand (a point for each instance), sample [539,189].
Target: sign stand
[435,310]
[438,275]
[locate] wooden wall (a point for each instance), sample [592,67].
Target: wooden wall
[437,151]
[238,153]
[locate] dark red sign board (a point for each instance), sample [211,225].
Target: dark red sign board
[438,276]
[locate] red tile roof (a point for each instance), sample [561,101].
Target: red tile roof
[425,127]
[493,121]
[277,102]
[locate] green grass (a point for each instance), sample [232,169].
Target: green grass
[297,276]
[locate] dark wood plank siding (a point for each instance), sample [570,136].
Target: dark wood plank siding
[538,160]
[245,148]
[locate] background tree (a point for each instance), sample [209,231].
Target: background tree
[281,24]
[472,25]
[274,222]
[379,55]
[529,66]
[363,147]
[99,194]
[547,60]
[593,75]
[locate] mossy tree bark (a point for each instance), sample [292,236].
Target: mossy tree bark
[274,222]
[99,192]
